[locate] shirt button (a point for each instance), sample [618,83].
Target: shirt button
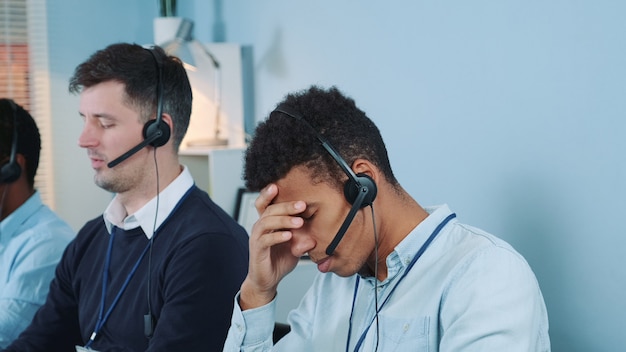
[405,327]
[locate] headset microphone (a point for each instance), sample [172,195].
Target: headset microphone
[363,192]
[135,149]
[360,189]
[156,132]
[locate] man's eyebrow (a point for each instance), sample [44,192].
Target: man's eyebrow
[100,116]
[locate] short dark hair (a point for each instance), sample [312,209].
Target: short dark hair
[282,142]
[133,66]
[28,141]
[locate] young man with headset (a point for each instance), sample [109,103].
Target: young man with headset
[159,269]
[32,236]
[394,276]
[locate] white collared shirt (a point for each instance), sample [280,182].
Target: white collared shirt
[115,213]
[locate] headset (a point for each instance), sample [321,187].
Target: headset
[360,189]
[11,171]
[155,132]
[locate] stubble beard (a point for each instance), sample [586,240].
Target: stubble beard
[112,184]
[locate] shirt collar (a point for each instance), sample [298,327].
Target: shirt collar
[115,214]
[9,226]
[399,259]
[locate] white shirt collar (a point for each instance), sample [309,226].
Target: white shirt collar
[411,244]
[404,251]
[115,214]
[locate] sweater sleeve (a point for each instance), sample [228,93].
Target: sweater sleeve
[199,285]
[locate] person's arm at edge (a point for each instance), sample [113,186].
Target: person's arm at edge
[28,286]
[253,314]
[55,323]
[251,330]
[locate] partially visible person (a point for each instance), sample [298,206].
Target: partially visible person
[394,276]
[32,236]
[158,271]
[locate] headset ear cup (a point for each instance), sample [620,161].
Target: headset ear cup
[10,172]
[152,128]
[351,190]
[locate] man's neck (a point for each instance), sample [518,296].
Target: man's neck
[399,215]
[135,199]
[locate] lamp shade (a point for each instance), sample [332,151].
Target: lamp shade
[179,45]
[185,47]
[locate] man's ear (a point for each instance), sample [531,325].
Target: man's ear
[169,121]
[367,175]
[364,166]
[167,118]
[21,160]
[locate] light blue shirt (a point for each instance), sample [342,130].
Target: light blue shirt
[32,240]
[469,291]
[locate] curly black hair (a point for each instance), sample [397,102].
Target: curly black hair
[28,141]
[133,66]
[282,142]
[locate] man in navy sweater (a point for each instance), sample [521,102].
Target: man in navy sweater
[158,271]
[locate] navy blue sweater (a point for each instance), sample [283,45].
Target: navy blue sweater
[199,259]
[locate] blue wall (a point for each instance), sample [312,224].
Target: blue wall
[512,112]
[76,29]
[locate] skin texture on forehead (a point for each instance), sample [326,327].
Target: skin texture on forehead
[325,212]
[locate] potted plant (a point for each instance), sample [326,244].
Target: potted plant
[167,8]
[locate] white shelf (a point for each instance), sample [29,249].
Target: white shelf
[218,171]
[202,150]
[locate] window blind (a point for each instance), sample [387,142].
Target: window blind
[24,75]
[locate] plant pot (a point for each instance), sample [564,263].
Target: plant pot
[165,28]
